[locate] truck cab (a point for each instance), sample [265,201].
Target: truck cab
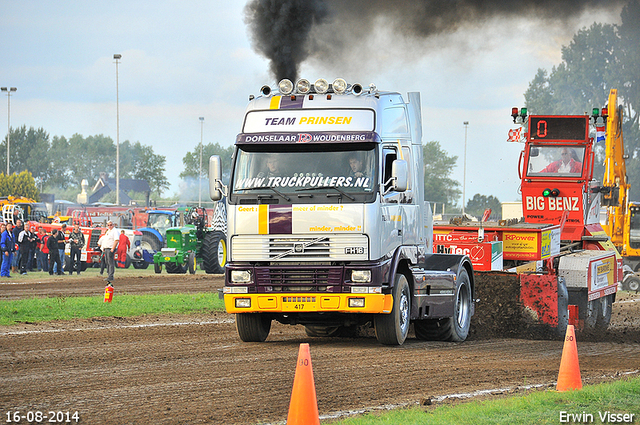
[327,224]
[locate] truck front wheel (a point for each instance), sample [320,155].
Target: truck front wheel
[392,329]
[455,328]
[253,327]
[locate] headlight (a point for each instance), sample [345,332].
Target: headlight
[240,276]
[303,86]
[321,85]
[243,302]
[339,85]
[356,302]
[361,276]
[235,290]
[285,86]
[366,290]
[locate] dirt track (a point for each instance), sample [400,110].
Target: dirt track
[193,369]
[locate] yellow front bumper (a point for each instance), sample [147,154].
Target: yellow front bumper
[308,303]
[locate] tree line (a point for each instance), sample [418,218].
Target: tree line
[59,163]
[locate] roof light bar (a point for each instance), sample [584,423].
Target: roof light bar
[303,86]
[285,86]
[339,85]
[321,85]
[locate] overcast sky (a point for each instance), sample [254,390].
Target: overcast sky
[182,60]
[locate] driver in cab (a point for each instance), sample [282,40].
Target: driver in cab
[356,168]
[567,163]
[273,167]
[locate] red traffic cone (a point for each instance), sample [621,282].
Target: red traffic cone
[569,375]
[108,293]
[303,408]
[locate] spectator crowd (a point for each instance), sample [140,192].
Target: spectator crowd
[28,248]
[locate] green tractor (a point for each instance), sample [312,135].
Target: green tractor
[192,243]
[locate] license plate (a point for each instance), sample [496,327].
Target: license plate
[299,303]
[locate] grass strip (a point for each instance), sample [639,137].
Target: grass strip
[35,310]
[592,404]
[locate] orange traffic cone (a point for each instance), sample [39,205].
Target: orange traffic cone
[569,375]
[303,408]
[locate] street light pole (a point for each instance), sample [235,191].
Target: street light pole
[200,172]
[117,57]
[464,174]
[8,91]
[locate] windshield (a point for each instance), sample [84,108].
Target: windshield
[295,169]
[562,161]
[160,222]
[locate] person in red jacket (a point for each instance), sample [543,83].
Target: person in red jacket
[567,164]
[123,248]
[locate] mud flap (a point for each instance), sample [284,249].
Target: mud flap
[534,305]
[539,294]
[545,301]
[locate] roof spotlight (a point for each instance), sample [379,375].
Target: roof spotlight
[339,85]
[321,85]
[265,90]
[303,86]
[285,86]
[356,89]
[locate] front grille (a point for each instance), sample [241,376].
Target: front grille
[335,247]
[307,247]
[299,279]
[95,236]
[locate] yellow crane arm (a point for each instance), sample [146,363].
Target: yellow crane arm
[615,197]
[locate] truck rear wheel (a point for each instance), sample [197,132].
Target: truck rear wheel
[455,328]
[252,327]
[392,329]
[214,252]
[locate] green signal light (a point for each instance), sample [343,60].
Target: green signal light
[546,193]
[595,112]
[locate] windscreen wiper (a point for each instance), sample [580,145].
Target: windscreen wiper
[342,192]
[282,195]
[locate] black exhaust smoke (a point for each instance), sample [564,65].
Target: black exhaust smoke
[281,29]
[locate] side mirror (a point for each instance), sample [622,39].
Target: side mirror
[399,174]
[215,178]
